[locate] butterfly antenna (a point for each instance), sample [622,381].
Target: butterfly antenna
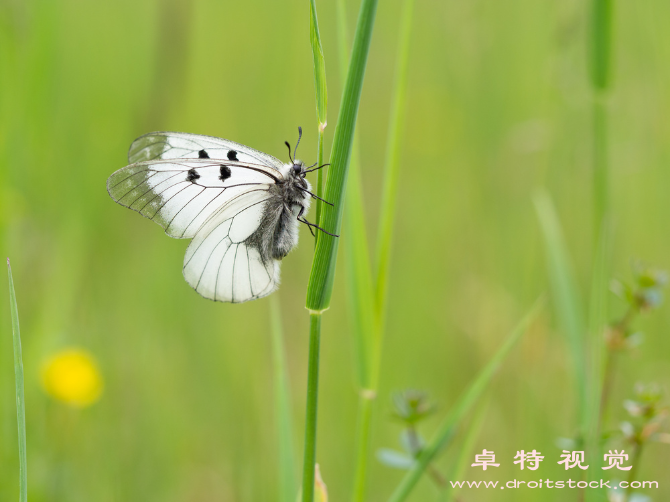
[295,151]
[289,151]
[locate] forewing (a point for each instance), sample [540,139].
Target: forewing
[180,145]
[220,264]
[181,195]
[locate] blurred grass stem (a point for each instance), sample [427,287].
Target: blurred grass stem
[600,70]
[392,164]
[20,399]
[367,292]
[287,483]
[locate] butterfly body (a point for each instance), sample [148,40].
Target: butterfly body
[240,207]
[277,233]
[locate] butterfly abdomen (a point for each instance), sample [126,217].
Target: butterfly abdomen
[286,235]
[287,202]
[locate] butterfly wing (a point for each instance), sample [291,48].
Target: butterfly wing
[180,195]
[214,191]
[223,262]
[179,145]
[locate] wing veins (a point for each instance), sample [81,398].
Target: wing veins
[147,191]
[232,278]
[212,216]
[157,194]
[128,177]
[184,206]
[168,200]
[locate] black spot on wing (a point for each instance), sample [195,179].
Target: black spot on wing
[232,155]
[225,172]
[202,154]
[192,175]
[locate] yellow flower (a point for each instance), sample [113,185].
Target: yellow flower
[72,376]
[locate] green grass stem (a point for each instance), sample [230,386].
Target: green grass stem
[565,295]
[600,168]
[600,43]
[600,70]
[364,304]
[392,164]
[366,401]
[312,404]
[472,394]
[359,282]
[320,286]
[20,399]
[287,481]
[596,376]
[321,91]
[464,457]
[361,294]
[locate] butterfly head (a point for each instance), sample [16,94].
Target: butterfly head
[297,165]
[298,168]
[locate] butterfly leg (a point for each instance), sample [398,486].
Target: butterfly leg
[314,196]
[301,219]
[310,225]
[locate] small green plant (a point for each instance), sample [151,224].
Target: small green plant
[410,407]
[647,415]
[447,429]
[643,295]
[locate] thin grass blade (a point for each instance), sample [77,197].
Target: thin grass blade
[287,462]
[20,399]
[392,165]
[320,286]
[359,282]
[321,97]
[565,295]
[365,327]
[361,293]
[597,326]
[472,394]
[464,456]
[601,40]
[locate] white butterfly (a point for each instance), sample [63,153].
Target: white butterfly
[240,206]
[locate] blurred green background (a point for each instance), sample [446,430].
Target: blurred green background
[498,106]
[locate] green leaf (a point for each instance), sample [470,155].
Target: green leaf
[20,399]
[320,286]
[448,427]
